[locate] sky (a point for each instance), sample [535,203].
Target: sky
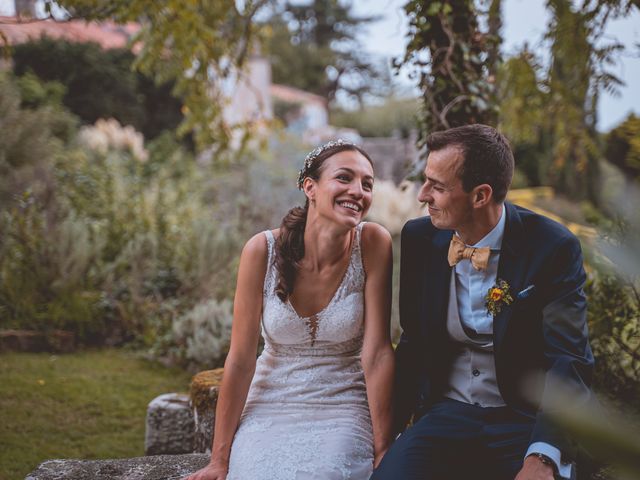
[524,21]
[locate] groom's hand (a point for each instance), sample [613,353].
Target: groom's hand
[535,469]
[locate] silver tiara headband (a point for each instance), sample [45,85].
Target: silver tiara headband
[315,153]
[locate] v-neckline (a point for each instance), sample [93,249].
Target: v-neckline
[344,277]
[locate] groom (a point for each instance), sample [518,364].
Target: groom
[493,313]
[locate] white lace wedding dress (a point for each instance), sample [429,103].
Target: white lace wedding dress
[306,415]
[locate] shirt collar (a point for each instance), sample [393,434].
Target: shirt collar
[493,239]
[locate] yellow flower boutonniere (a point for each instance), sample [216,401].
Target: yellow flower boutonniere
[497,296]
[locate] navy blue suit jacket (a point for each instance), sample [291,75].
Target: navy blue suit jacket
[539,335]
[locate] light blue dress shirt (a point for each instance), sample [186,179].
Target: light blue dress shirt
[472,287]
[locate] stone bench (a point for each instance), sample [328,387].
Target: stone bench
[155,467]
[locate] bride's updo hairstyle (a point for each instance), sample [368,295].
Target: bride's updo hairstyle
[290,242]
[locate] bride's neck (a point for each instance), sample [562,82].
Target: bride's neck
[324,246]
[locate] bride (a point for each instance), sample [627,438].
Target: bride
[317,402]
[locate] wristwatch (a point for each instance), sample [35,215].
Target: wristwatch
[546,460]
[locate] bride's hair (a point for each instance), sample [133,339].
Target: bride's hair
[290,242]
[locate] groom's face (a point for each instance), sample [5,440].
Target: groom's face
[450,207]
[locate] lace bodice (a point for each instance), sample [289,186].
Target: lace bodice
[336,329]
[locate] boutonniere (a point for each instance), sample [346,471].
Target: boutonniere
[497,296]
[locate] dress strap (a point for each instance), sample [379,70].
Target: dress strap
[269,279]
[356,254]
[359,233]
[271,241]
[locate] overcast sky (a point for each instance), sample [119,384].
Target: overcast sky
[524,21]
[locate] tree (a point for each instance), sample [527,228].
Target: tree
[574,168]
[198,44]
[101,84]
[314,47]
[523,116]
[551,112]
[450,52]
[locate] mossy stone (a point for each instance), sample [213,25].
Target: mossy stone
[204,397]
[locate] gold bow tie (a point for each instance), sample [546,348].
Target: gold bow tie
[458,251]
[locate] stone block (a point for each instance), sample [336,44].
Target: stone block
[157,467]
[169,426]
[204,397]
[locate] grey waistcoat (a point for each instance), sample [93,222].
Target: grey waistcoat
[473,374]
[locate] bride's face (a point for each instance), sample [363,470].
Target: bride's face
[344,191]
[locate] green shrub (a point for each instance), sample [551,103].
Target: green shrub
[202,334]
[30,141]
[100,83]
[46,271]
[614,324]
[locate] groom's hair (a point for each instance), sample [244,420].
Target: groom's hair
[487,156]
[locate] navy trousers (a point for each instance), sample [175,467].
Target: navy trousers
[456,440]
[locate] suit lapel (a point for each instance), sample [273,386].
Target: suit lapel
[511,268]
[437,276]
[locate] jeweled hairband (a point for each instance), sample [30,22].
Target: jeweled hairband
[315,153]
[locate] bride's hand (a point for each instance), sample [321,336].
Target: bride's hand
[213,471]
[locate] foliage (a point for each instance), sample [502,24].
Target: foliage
[395,116]
[197,45]
[614,299]
[34,129]
[453,58]
[203,334]
[623,147]
[86,405]
[35,92]
[313,46]
[99,84]
[148,207]
[549,112]
[117,239]
[46,271]
[574,84]
[522,115]
[614,323]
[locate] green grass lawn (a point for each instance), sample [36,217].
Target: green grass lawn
[84,405]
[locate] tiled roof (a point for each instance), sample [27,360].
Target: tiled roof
[106,34]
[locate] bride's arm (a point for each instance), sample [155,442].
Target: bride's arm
[240,364]
[377,352]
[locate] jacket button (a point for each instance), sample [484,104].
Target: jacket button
[475,372]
